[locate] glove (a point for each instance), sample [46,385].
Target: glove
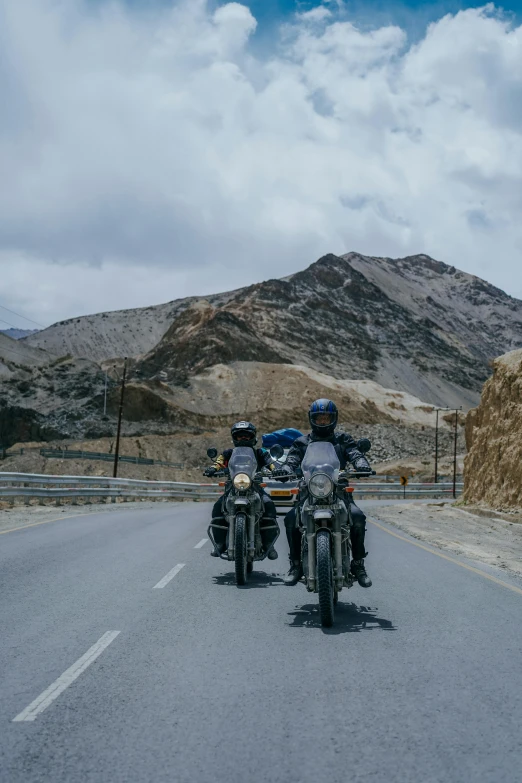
[285,470]
[362,464]
[210,472]
[283,473]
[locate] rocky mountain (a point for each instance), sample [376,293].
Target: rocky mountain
[493,466]
[15,354]
[412,324]
[17,334]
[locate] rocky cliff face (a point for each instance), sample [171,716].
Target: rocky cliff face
[412,324]
[493,466]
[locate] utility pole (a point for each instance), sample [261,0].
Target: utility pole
[437,442]
[437,448]
[120,412]
[105,396]
[455,452]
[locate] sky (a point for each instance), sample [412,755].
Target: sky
[154,149]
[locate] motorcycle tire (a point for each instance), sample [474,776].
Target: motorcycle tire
[240,544]
[325,587]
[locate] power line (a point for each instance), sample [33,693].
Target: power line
[8,323]
[21,316]
[18,353]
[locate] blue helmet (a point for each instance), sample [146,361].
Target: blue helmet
[323,415]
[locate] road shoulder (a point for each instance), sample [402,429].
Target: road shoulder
[20,517]
[495,542]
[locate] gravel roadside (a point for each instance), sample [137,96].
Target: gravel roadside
[496,542]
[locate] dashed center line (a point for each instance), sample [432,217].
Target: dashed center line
[171,574]
[201,543]
[67,678]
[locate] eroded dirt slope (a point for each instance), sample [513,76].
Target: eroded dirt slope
[493,466]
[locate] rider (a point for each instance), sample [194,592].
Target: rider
[244,433]
[323,417]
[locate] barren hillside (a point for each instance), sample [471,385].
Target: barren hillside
[413,324]
[63,402]
[493,466]
[15,354]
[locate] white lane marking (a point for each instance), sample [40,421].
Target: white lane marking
[67,678]
[201,543]
[171,574]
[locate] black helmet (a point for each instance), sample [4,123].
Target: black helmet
[324,411]
[244,434]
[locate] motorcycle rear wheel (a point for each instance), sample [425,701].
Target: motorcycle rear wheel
[240,545]
[325,586]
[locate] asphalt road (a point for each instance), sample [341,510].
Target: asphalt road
[120,667]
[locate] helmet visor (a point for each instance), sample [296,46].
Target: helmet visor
[323,419]
[243,436]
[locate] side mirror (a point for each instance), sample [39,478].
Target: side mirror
[276,451]
[364,445]
[212,453]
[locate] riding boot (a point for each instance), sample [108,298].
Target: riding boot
[359,571]
[294,574]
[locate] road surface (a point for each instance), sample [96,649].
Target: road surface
[128,654]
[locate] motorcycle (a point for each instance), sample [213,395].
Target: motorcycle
[325,524]
[243,510]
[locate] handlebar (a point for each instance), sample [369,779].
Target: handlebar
[219,473]
[345,474]
[356,474]
[225,472]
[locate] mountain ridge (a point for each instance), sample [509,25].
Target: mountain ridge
[413,324]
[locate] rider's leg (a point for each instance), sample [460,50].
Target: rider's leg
[218,527]
[294,545]
[357,532]
[269,527]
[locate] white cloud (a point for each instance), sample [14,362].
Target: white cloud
[149,156]
[317,14]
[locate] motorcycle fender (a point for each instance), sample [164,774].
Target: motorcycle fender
[311,561]
[338,560]
[325,513]
[241,502]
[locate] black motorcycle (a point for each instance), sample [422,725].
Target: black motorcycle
[243,508]
[324,520]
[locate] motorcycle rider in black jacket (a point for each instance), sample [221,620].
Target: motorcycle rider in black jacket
[323,417]
[244,433]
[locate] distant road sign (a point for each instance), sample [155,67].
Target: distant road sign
[404,481]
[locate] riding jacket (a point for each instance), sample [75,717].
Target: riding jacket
[344,444]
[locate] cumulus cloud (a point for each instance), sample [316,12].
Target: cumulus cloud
[317,14]
[151,155]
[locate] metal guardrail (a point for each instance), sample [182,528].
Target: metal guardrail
[103,456]
[31,485]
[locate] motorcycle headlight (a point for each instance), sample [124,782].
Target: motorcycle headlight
[320,485]
[242,481]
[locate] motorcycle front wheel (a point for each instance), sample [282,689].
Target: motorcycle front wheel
[240,546]
[325,587]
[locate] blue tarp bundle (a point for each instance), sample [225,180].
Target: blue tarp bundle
[284,437]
